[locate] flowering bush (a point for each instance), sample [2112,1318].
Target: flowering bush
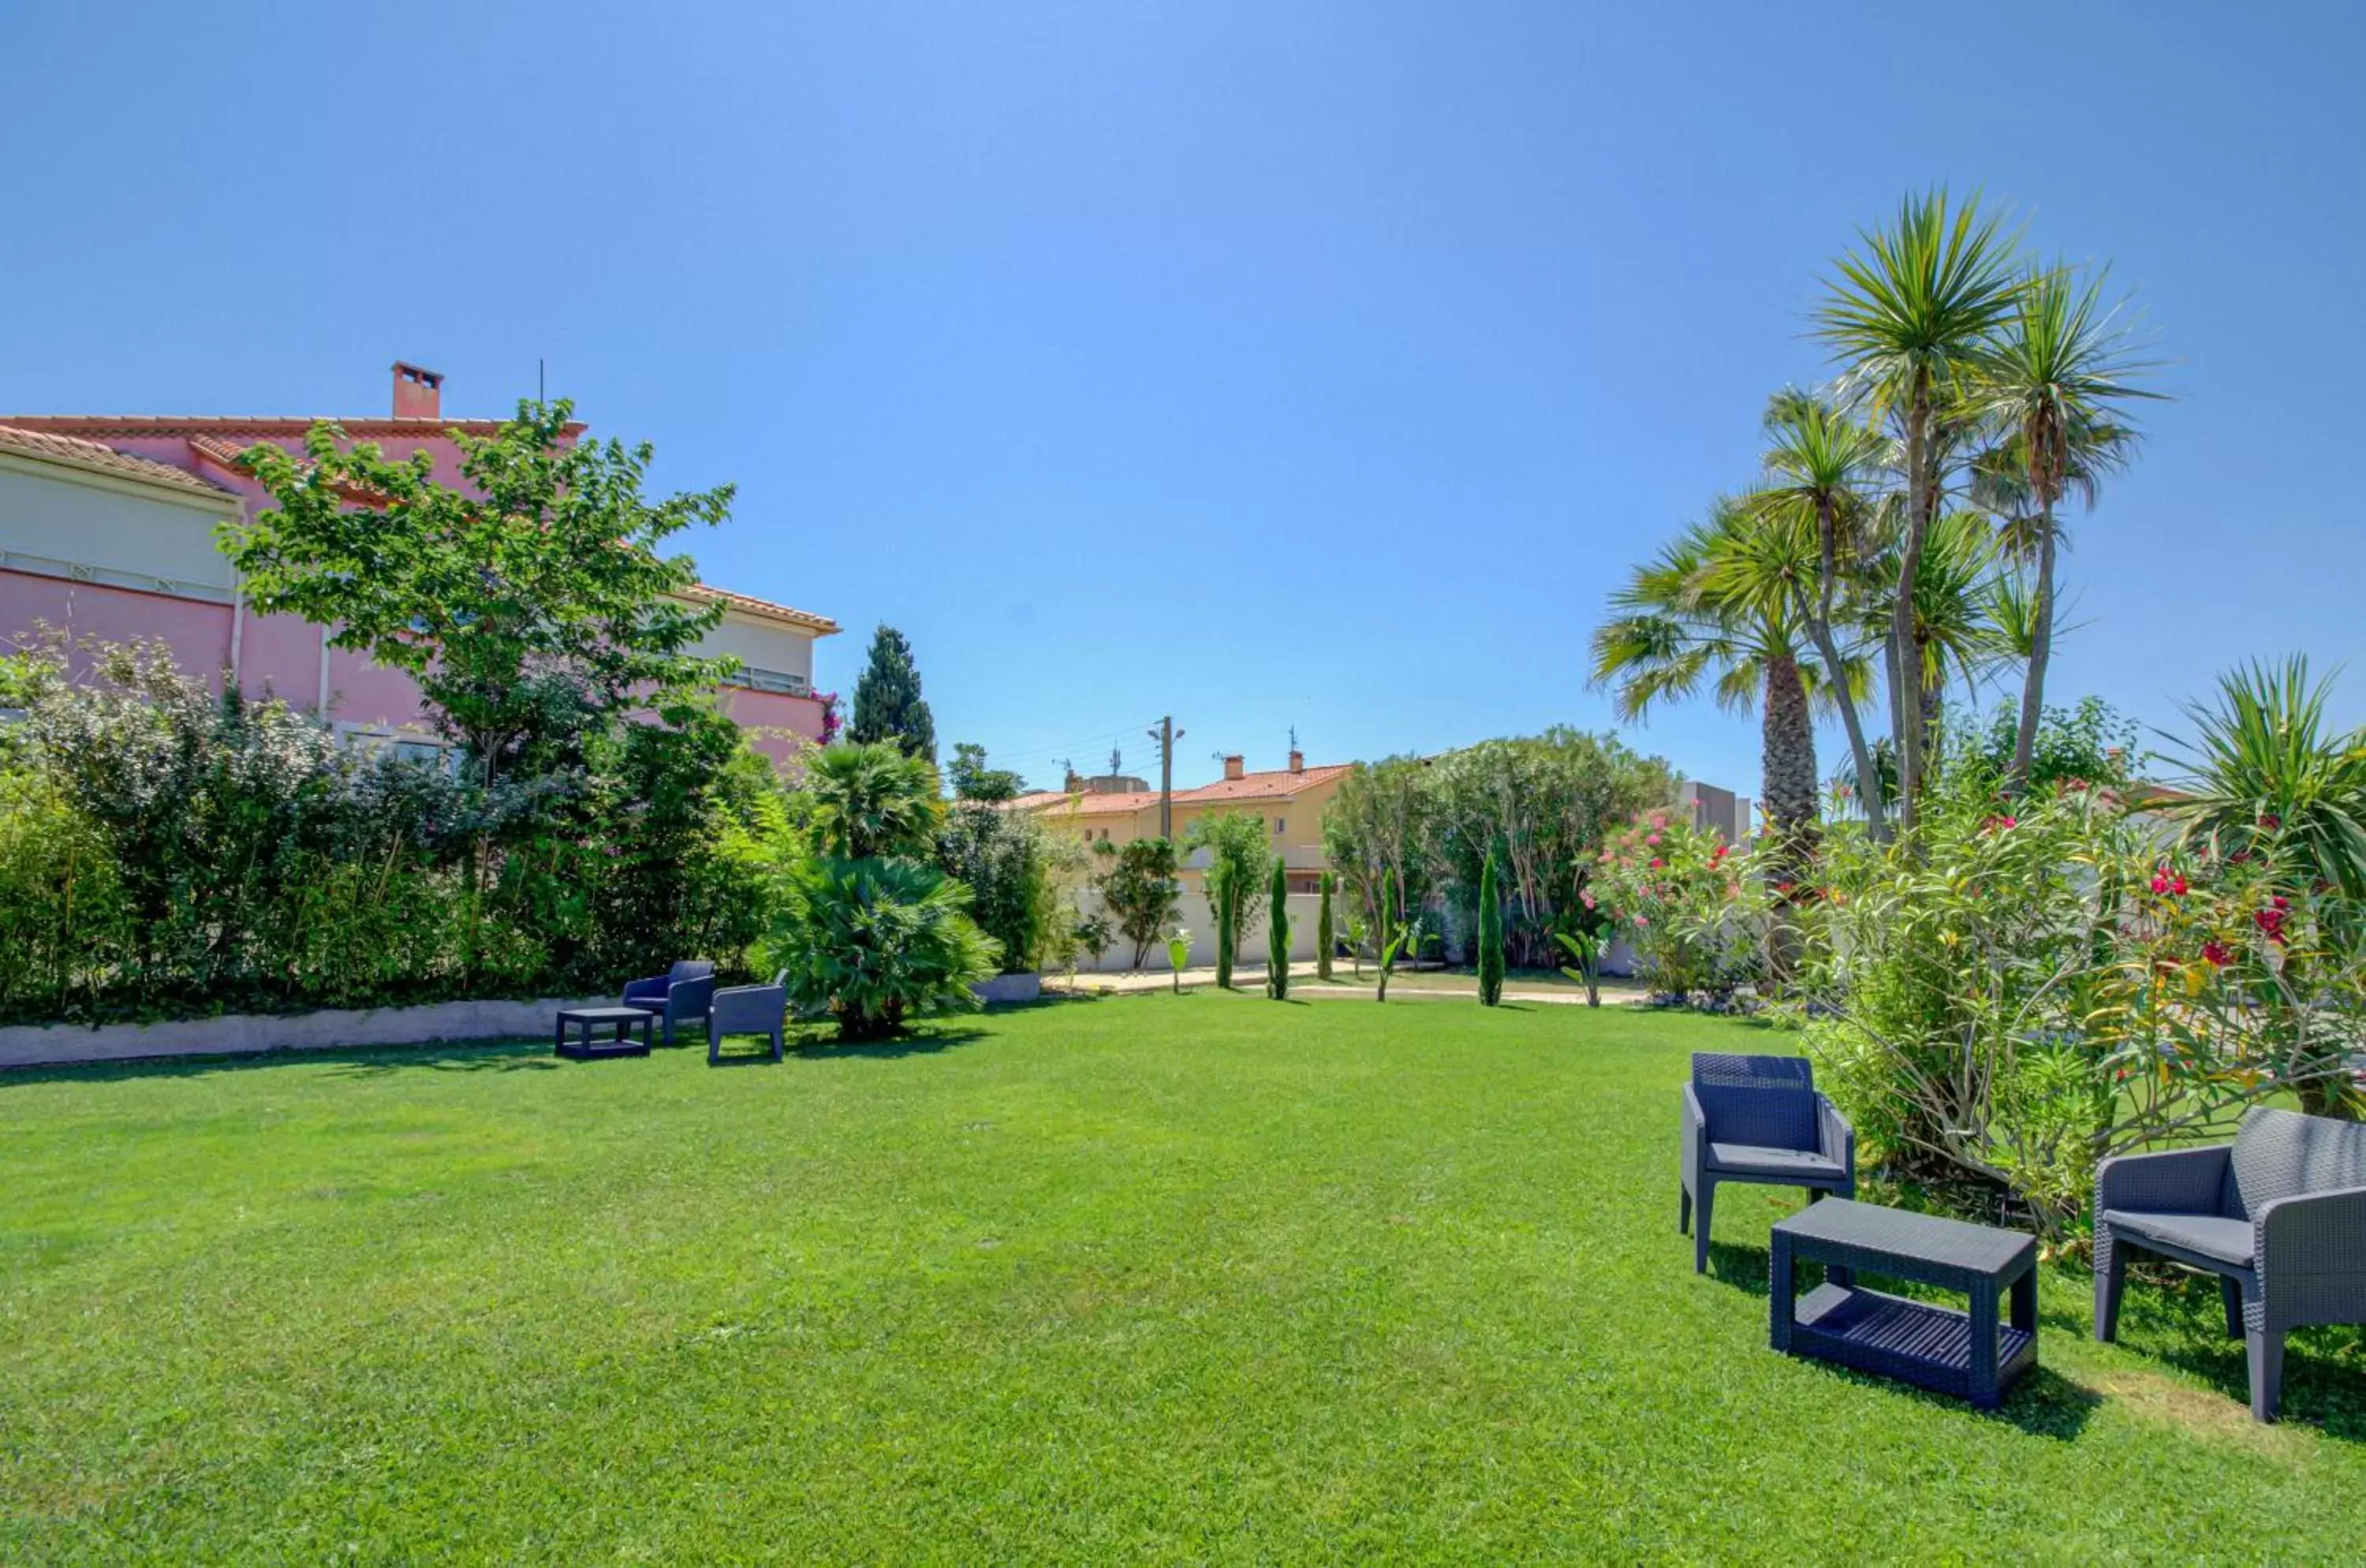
[1673,891]
[2037,986]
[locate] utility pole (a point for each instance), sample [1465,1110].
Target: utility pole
[1166,736]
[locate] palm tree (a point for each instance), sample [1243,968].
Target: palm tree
[1822,473]
[1722,607]
[1907,318]
[2052,378]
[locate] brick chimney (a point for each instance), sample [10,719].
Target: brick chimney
[418,393]
[1297,761]
[1232,765]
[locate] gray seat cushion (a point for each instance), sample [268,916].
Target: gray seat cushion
[1783,1165]
[2229,1241]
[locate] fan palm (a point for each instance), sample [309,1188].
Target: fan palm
[872,801]
[1821,472]
[2053,377]
[1907,318]
[1721,608]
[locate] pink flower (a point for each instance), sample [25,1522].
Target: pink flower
[1642,920]
[1653,839]
[1657,863]
[1587,899]
[2215,951]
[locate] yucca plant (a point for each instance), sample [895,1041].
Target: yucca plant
[2053,377]
[2265,766]
[1908,318]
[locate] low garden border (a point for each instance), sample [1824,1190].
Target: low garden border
[240,1034]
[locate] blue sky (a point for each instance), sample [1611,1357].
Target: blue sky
[1268,365]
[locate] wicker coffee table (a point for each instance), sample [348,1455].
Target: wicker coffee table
[583,1020]
[1963,1353]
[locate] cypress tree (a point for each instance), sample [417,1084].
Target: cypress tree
[887,701]
[1276,942]
[1490,937]
[1323,938]
[1228,905]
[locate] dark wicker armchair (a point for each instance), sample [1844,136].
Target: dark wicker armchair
[748,1010]
[2279,1216]
[1758,1119]
[680,995]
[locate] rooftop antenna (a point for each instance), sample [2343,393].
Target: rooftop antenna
[1293,738]
[1117,760]
[541,392]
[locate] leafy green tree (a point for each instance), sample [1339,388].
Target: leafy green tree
[1908,318]
[1138,887]
[973,780]
[2055,375]
[529,607]
[873,801]
[887,701]
[1004,859]
[1276,942]
[1541,804]
[1380,829]
[1326,935]
[1490,938]
[1238,859]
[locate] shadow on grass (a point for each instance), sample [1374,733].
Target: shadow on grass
[496,1055]
[2178,1323]
[2044,1403]
[925,1041]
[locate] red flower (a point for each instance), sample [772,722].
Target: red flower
[2270,821]
[2215,951]
[1657,863]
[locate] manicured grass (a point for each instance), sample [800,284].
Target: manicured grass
[1139,1278]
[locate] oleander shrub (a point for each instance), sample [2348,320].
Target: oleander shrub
[1675,892]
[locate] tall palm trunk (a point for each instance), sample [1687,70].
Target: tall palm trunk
[1787,784]
[1906,649]
[2041,650]
[1819,628]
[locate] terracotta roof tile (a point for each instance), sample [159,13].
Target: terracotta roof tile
[53,447]
[1275,783]
[820,625]
[96,426]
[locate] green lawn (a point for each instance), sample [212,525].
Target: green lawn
[1139,1278]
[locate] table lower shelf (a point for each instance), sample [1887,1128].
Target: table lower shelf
[1915,1342]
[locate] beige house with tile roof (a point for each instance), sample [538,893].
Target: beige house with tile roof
[1291,800]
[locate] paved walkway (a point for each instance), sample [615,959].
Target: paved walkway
[1344,985]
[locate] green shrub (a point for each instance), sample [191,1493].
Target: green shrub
[1002,858]
[875,944]
[1137,887]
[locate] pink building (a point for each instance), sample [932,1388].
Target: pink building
[106,531]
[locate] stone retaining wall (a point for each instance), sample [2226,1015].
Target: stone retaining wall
[32,1046]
